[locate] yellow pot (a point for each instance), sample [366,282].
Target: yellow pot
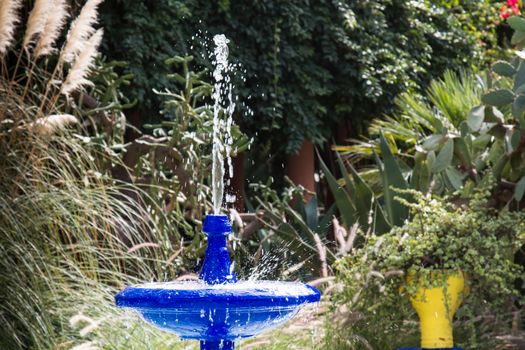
[436,306]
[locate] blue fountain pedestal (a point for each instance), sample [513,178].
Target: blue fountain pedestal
[217,310]
[429,349]
[217,267]
[221,344]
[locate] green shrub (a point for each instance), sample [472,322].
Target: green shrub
[469,128]
[449,233]
[306,64]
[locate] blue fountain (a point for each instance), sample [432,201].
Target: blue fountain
[217,309]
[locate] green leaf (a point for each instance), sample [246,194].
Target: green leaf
[392,177]
[304,231]
[512,140]
[517,38]
[432,142]
[344,202]
[519,191]
[360,193]
[515,160]
[519,79]
[178,60]
[504,69]
[464,129]
[455,177]
[381,225]
[498,98]
[444,157]
[414,178]
[324,223]
[431,159]
[481,141]
[420,178]
[518,107]
[515,138]
[480,165]
[493,115]
[439,183]
[517,23]
[346,176]
[496,151]
[395,175]
[497,131]
[520,90]
[462,151]
[475,117]
[364,197]
[500,164]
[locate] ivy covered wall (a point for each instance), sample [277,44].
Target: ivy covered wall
[309,63]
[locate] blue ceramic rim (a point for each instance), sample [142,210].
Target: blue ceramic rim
[154,298]
[214,224]
[429,349]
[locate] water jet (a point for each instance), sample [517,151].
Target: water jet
[217,309]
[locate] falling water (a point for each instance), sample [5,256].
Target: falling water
[223,108]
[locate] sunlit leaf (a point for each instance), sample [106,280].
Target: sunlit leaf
[444,157]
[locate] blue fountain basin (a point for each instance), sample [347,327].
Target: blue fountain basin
[195,310]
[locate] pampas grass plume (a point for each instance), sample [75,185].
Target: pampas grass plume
[8,20]
[54,23]
[80,69]
[51,124]
[37,20]
[81,29]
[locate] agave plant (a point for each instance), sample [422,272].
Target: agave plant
[490,139]
[356,201]
[471,127]
[446,105]
[468,127]
[295,229]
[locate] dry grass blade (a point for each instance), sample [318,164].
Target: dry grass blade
[143,245]
[65,225]
[174,256]
[55,21]
[90,345]
[351,238]
[188,277]
[63,243]
[37,20]
[322,280]
[81,29]
[80,69]
[8,20]
[49,125]
[321,249]
[339,233]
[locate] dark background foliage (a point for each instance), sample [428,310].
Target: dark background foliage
[309,64]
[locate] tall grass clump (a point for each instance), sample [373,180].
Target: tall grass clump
[70,235]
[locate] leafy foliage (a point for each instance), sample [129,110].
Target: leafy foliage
[440,235]
[296,229]
[453,142]
[356,201]
[306,64]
